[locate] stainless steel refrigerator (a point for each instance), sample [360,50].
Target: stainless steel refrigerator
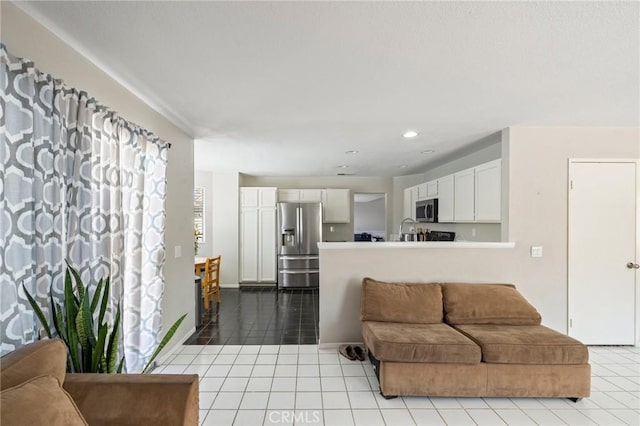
[299,231]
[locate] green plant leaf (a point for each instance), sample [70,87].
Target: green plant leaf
[62,331]
[120,365]
[96,296]
[112,348]
[67,282]
[37,311]
[98,351]
[84,325]
[76,276]
[105,300]
[164,342]
[71,311]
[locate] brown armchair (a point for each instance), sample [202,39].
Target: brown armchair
[96,399]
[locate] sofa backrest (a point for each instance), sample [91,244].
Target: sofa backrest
[43,358]
[401,302]
[502,304]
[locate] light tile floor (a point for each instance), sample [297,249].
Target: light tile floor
[304,385]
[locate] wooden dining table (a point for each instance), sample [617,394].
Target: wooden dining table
[199,265]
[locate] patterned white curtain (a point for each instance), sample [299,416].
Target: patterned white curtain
[77,182]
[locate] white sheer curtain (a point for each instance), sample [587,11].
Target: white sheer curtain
[80,183]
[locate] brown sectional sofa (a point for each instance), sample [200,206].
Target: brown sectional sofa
[35,390]
[460,339]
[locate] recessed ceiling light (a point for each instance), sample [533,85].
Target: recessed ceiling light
[353,151]
[343,166]
[427,151]
[403,166]
[410,134]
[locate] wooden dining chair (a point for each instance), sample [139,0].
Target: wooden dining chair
[211,280]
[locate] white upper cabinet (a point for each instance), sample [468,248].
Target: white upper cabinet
[464,193]
[254,197]
[488,189]
[422,192]
[300,195]
[311,195]
[289,195]
[445,199]
[432,189]
[337,205]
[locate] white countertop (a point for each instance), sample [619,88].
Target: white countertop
[416,245]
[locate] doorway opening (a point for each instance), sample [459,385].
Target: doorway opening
[370,216]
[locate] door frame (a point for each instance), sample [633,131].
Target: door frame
[571,161]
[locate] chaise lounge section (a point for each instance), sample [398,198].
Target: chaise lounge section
[463,340]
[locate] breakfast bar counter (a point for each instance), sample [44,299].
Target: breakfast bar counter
[344,265]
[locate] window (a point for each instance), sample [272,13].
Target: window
[198,213]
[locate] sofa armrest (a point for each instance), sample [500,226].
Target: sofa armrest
[46,357]
[135,399]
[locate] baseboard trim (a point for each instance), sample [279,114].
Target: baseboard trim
[337,345]
[169,352]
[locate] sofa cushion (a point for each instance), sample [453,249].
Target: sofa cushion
[401,342]
[401,302]
[487,304]
[39,401]
[525,344]
[43,358]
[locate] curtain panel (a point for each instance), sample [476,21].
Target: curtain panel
[77,183]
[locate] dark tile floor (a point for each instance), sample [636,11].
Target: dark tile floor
[260,316]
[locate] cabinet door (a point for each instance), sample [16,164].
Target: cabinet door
[289,195]
[414,199]
[432,189]
[409,208]
[464,194]
[422,192]
[267,245]
[445,199]
[249,197]
[249,245]
[267,197]
[488,192]
[311,195]
[337,206]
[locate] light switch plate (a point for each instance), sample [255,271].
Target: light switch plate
[177,252]
[536,251]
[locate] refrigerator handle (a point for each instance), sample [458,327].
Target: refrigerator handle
[298,228]
[301,233]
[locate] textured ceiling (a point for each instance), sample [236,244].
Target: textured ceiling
[285,88]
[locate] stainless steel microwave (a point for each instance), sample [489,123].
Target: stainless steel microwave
[427,210]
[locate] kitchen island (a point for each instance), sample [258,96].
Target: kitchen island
[344,265]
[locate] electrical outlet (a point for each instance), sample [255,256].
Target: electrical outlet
[177,252]
[473,232]
[536,251]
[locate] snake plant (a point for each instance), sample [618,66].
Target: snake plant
[92,347]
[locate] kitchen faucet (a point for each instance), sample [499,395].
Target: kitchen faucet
[406,220]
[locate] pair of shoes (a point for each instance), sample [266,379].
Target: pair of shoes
[360,354]
[347,352]
[352,353]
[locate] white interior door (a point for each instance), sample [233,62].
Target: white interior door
[602,241]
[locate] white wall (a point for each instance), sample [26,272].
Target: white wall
[224,226]
[536,198]
[25,37]
[537,201]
